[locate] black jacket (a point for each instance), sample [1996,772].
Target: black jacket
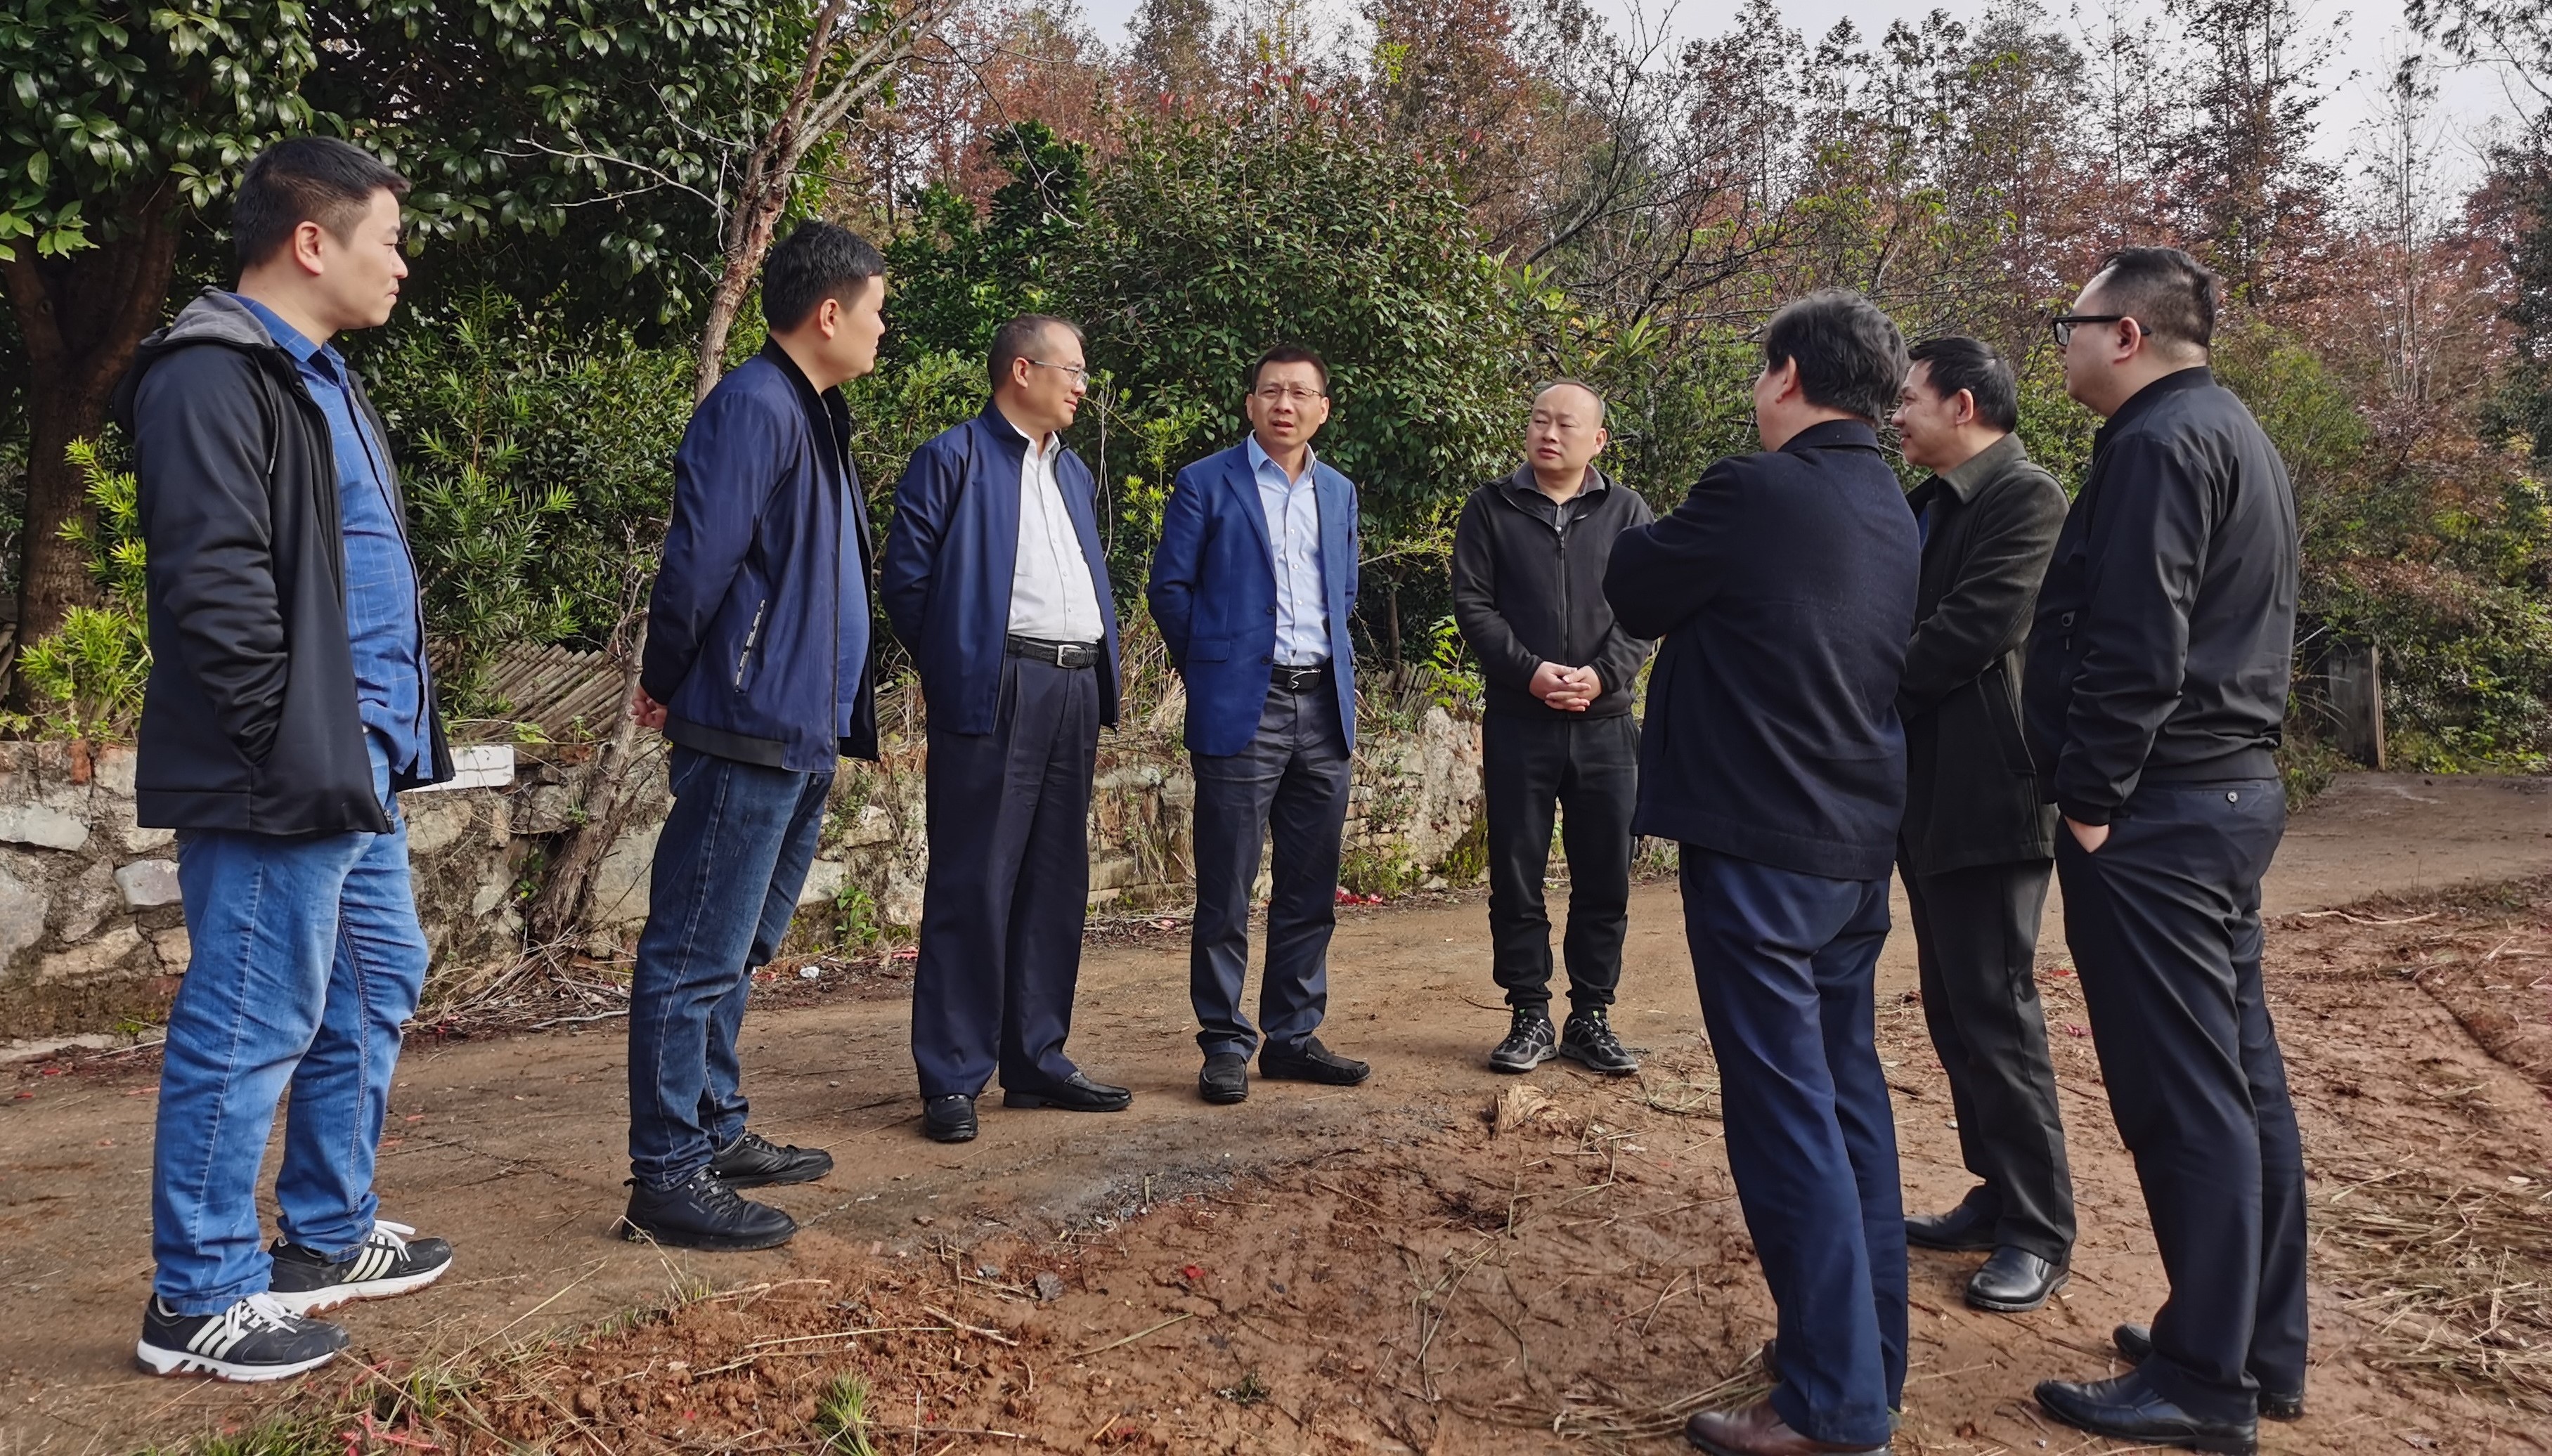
[1529,588]
[1970,792]
[249,721]
[2165,632]
[1783,589]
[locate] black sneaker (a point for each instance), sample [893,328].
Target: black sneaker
[255,1339]
[704,1213]
[1528,1044]
[390,1261]
[754,1161]
[1588,1040]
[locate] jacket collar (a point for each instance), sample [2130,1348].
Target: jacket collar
[825,407]
[2196,376]
[1833,435]
[1523,487]
[1969,475]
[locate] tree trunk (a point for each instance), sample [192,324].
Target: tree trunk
[80,317]
[557,916]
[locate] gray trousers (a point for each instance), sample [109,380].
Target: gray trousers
[1289,785]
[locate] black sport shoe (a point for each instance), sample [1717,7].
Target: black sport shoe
[1528,1043]
[755,1160]
[701,1212]
[1588,1040]
[255,1339]
[389,1262]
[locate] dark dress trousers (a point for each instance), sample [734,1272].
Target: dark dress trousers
[1978,844]
[1013,742]
[1272,756]
[1527,589]
[2155,693]
[1782,591]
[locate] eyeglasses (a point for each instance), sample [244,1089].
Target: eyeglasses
[1279,393]
[1080,373]
[2061,326]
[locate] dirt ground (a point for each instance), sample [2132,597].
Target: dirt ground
[1369,1269]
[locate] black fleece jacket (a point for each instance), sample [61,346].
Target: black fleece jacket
[2165,632]
[249,721]
[1528,589]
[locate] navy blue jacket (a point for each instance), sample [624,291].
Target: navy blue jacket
[744,623]
[949,556]
[2165,632]
[1213,595]
[1783,587]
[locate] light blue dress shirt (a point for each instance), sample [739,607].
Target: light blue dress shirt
[383,623]
[1293,510]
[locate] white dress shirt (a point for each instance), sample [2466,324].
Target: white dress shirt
[1293,510]
[1051,596]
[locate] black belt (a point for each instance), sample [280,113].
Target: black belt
[1309,679]
[1061,653]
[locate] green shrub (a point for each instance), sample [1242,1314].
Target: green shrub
[89,674]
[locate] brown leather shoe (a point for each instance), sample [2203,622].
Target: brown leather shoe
[1758,1430]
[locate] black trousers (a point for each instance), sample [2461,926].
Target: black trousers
[2165,927]
[1530,766]
[1976,938]
[1008,886]
[1289,785]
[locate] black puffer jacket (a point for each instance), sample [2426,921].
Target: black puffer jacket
[1529,588]
[250,719]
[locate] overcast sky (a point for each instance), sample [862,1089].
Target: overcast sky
[2370,39]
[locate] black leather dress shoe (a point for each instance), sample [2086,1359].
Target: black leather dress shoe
[948,1119]
[1224,1079]
[701,1212]
[2014,1282]
[2129,1409]
[1311,1062]
[754,1161]
[1075,1094]
[1965,1229]
[2135,1342]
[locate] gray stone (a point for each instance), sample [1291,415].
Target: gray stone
[870,825]
[173,947]
[22,917]
[434,823]
[147,883]
[491,893]
[42,825]
[618,895]
[825,879]
[82,903]
[114,771]
[141,840]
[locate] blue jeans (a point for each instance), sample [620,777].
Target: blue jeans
[307,958]
[728,866]
[1784,963]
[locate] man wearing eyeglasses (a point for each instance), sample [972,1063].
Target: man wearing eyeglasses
[1252,586]
[2155,694]
[996,581]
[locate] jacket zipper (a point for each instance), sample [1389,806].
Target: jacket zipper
[752,635]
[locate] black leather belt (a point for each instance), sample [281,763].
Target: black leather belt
[1311,679]
[1061,653]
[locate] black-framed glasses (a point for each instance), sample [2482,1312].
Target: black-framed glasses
[2061,326]
[1080,372]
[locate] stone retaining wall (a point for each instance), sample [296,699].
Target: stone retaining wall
[92,937]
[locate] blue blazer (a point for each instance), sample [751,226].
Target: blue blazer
[1213,595]
[945,578]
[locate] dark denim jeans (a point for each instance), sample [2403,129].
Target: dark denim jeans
[306,959]
[730,864]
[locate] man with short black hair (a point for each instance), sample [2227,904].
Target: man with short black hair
[2159,666]
[996,581]
[1529,556]
[756,668]
[1252,585]
[1783,589]
[1975,850]
[288,704]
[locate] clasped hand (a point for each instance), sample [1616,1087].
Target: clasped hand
[1569,690]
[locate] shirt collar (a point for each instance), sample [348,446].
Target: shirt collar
[1962,478]
[289,339]
[1834,435]
[1260,460]
[1524,484]
[1053,443]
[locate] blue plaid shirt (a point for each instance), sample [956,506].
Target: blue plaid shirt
[381,608]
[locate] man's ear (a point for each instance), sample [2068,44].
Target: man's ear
[307,244]
[828,317]
[1966,412]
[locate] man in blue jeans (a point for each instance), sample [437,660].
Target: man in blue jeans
[756,668]
[288,701]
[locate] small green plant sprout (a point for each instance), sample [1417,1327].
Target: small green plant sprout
[842,1417]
